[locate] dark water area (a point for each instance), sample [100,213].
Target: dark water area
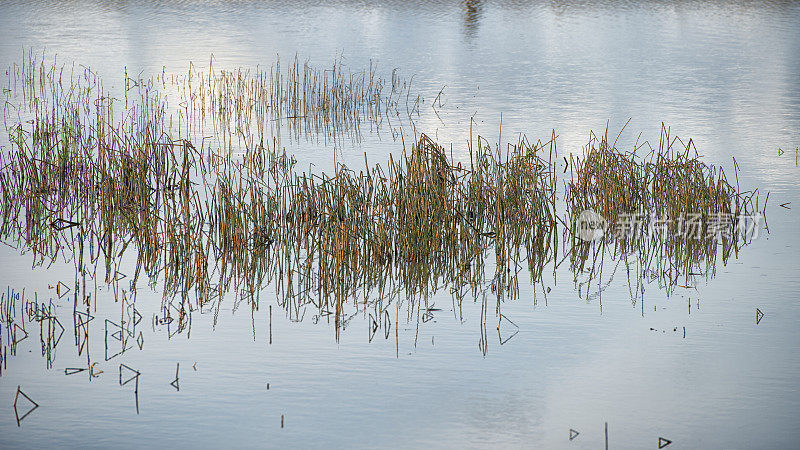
[626,356]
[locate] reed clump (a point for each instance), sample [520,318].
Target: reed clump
[666,206]
[81,179]
[248,108]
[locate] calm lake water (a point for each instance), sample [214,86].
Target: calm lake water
[692,367]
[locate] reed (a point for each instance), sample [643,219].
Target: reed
[666,206]
[85,181]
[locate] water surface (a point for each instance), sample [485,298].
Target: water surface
[726,74]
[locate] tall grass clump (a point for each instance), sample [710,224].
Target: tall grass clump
[665,205]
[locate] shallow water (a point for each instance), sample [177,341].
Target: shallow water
[726,74]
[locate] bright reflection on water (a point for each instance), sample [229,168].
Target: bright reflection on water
[726,74]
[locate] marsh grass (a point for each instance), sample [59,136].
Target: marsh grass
[250,108]
[664,205]
[86,182]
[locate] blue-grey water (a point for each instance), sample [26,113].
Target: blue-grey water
[726,74]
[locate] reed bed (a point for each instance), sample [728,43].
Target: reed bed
[251,107]
[86,179]
[666,206]
[95,185]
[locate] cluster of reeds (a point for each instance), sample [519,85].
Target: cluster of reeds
[98,185]
[82,177]
[665,205]
[251,107]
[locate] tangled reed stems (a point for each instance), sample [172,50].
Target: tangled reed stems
[667,206]
[83,180]
[251,107]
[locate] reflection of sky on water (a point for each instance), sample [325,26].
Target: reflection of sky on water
[725,74]
[564,65]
